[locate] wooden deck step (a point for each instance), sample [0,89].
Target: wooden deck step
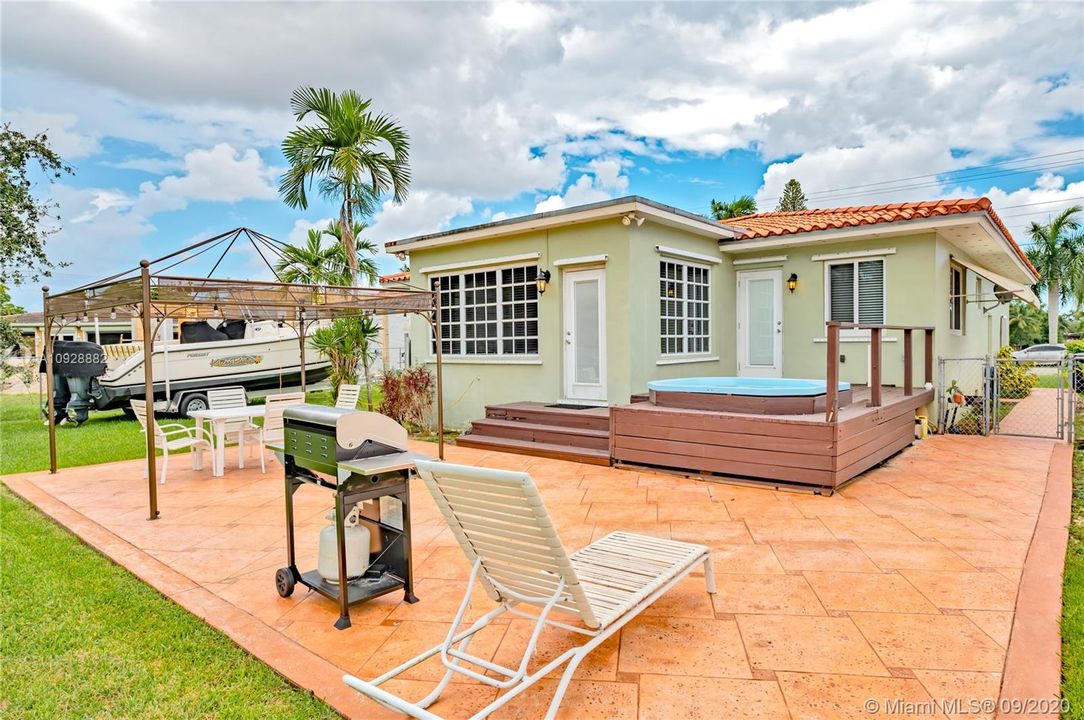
[538,449]
[541,414]
[542,433]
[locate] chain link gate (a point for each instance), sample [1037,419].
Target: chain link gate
[998,396]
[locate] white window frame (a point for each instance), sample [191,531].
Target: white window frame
[500,356]
[686,264]
[855,260]
[962,299]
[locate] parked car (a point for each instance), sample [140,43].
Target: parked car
[1049,353]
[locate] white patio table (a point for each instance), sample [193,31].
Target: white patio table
[218,419]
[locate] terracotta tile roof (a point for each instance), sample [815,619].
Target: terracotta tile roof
[772,224]
[395,277]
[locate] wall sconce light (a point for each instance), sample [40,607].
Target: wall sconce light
[792,282]
[113,314]
[542,281]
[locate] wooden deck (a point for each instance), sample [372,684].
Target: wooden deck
[794,450]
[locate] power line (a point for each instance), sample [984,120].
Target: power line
[1005,171]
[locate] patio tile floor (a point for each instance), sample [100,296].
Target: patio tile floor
[900,586]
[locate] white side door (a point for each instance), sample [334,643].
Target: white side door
[760,323]
[585,334]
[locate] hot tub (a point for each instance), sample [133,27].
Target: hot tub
[765,396]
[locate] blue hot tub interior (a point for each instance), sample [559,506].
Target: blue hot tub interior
[752,386]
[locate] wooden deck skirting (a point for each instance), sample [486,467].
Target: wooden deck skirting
[805,450]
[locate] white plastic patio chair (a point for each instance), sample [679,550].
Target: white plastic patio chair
[174,436]
[242,431]
[347,398]
[273,431]
[501,524]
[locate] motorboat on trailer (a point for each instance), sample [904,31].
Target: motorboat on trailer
[259,356]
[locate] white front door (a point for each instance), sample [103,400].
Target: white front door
[760,323]
[585,334]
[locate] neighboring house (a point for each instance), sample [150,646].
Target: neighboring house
[394,331]
[103,329]
[635,290]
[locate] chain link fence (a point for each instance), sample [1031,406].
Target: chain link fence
[999,396]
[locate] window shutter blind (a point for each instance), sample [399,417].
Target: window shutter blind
[842,292]
[871,293]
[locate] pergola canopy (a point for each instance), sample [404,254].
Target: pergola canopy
[150,291]
[209,298]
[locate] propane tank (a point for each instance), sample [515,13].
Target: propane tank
[357,547]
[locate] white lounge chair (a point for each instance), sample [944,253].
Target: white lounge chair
[500,522]
[241,430]
[273,429]
[174,436]
[347,398]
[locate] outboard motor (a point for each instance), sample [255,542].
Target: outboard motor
[76,367]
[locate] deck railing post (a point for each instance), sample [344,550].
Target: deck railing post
[875,367]
[929,356]
[831,399]
[908,379]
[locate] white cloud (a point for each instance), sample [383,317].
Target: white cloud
[220,174]
[424,211]
[499,98]
[602,181]
[59,127]
[1048,196]
[299,233]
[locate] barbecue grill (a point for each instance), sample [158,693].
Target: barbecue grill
[359,456]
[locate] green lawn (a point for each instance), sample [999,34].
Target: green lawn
[83,637]
[1051,380]
[105,437]
[1072,620]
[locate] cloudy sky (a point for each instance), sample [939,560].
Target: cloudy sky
[172,113]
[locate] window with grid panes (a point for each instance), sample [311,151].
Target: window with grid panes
[684,308]
[490,312]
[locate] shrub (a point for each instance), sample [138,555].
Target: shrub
[408,395]
[1073,347]
[1016,379]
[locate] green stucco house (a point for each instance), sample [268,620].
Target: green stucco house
[585,305]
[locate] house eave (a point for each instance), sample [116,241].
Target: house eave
[884,230]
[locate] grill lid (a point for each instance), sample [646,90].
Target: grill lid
[352,427]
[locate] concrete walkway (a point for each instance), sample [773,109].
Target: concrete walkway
[902,587]
[1036,415]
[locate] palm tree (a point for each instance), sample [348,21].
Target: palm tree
[744,205]
[1025,323]
[1059,257]
[366,265]
[358,156]
[313,263]
[346,343]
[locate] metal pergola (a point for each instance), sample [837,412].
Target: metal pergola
[150,293]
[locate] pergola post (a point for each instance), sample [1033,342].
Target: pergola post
[148,388]
[440,369]
[48,356]
[301,339]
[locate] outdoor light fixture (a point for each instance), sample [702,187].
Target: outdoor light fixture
[792,282]
[628,219]
[542,281]
[113,314]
